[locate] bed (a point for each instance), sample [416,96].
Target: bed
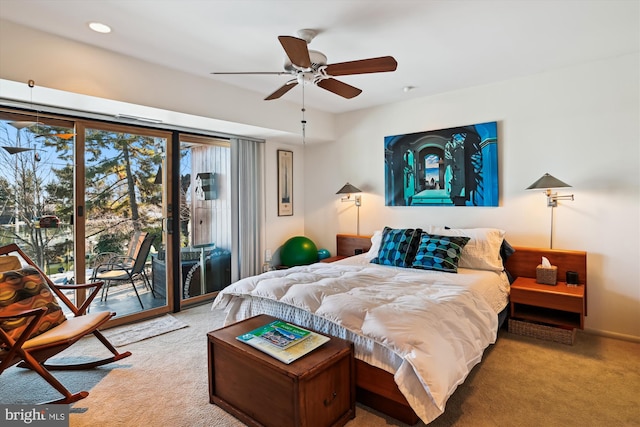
[417,332]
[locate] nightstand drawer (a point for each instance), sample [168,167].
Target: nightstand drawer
[557,301]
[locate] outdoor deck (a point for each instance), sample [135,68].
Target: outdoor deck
[122,299]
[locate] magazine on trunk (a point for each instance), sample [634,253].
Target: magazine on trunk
[294,346]
[279,334]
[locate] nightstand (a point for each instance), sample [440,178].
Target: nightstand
[349,245]
[558,305]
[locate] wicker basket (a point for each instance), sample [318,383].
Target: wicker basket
[546,275]
[543,332]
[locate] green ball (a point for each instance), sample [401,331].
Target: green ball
[298,250]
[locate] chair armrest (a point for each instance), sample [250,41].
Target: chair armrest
[22,313]
[97,284]
[122,261]
[14,345]
[114,266]
[105,260]
[82,310]
[109,266]
[107,255]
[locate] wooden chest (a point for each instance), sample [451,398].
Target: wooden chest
[314,391]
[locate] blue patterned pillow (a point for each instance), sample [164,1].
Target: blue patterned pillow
[398,246]
[440,253]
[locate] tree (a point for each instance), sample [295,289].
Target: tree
[22,189]
[120,175]
[120,194]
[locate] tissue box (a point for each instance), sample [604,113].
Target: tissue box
[546,275]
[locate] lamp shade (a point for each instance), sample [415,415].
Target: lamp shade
[24,124]
[547,181]
[348,189]
[16,150]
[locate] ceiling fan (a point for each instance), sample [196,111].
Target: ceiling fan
[310,67]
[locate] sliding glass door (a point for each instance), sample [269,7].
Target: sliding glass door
[80,197]
[123,215]
[88,199]
[205,217]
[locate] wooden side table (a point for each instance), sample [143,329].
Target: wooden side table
[334,258]
[559,305]
[348,244]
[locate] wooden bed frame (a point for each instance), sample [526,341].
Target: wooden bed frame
[375,387]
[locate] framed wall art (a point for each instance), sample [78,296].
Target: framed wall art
[285,183]
[447,167]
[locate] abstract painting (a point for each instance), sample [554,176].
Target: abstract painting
[448,167]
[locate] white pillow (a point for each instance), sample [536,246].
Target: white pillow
[482,252]
[376,239]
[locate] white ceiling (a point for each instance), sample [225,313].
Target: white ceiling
[440,45]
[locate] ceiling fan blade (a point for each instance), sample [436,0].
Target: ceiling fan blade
[279,73]
[362,66]
[296,50]
[339,88]
[282,90]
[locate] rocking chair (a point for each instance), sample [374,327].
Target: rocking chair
[32,351]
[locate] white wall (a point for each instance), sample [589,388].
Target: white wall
[579,124]
[281,228]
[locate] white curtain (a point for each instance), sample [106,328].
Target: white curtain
[247,212]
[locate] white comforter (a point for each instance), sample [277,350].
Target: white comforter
[434,325]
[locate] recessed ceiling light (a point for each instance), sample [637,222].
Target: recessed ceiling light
[99,28]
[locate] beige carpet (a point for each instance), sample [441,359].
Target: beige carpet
[521,382]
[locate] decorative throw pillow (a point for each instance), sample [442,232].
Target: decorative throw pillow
[441,253]
[483,250]
[398,246]
[376,239]
[506,250]
[9,262]
[25,289]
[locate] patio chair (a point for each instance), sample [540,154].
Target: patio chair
[116,270]
[127,259]
[33,327]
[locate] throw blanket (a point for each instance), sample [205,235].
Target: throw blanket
[438,324]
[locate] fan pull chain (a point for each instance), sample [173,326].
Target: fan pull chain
[303,121]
